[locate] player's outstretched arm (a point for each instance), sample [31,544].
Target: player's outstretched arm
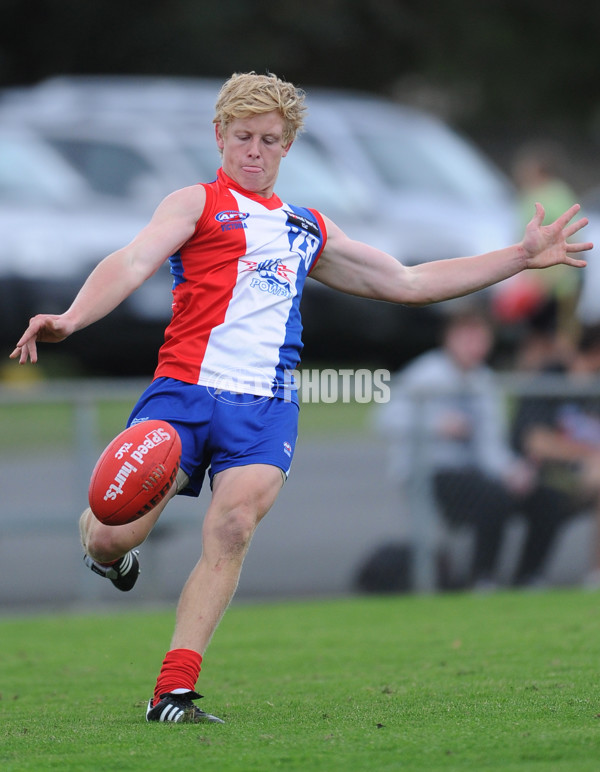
[119,274]
[542,246]
[359,269]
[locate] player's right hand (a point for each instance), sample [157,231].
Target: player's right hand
[43,328]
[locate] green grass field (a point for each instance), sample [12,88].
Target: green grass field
[451,682]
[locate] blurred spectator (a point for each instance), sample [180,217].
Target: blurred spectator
[539,169]
[561,436]
[446,404]
[540,346]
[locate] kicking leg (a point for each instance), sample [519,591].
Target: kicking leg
[241,498]
[110,549]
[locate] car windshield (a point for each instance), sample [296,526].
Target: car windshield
[112,169]
[427,157]
[31,173]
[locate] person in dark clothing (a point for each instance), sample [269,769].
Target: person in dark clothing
[560,435]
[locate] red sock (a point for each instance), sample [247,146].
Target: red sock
[180,670]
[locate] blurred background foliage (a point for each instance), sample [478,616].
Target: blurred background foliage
[484,65]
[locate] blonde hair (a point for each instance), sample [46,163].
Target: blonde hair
[246,94]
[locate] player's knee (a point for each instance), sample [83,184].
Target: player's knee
[233,529]
[102,546]
[102,543]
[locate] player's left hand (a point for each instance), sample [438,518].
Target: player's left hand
[546,245]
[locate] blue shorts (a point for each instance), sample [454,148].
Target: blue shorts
[219,430]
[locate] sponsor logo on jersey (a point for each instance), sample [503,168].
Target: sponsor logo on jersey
[231,219]
[299,221]
[273,276]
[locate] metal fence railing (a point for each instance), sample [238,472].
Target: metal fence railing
[51,435]
[432,470]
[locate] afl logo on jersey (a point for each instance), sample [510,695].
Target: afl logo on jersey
[231,219]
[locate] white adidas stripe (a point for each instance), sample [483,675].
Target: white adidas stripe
[171,713]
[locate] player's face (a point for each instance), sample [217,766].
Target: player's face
[252,151]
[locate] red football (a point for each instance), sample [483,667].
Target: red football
[135,472]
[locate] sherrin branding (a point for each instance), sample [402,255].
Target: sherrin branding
[135,472]
[151,440]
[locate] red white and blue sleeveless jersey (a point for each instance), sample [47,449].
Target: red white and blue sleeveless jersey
[237,287]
